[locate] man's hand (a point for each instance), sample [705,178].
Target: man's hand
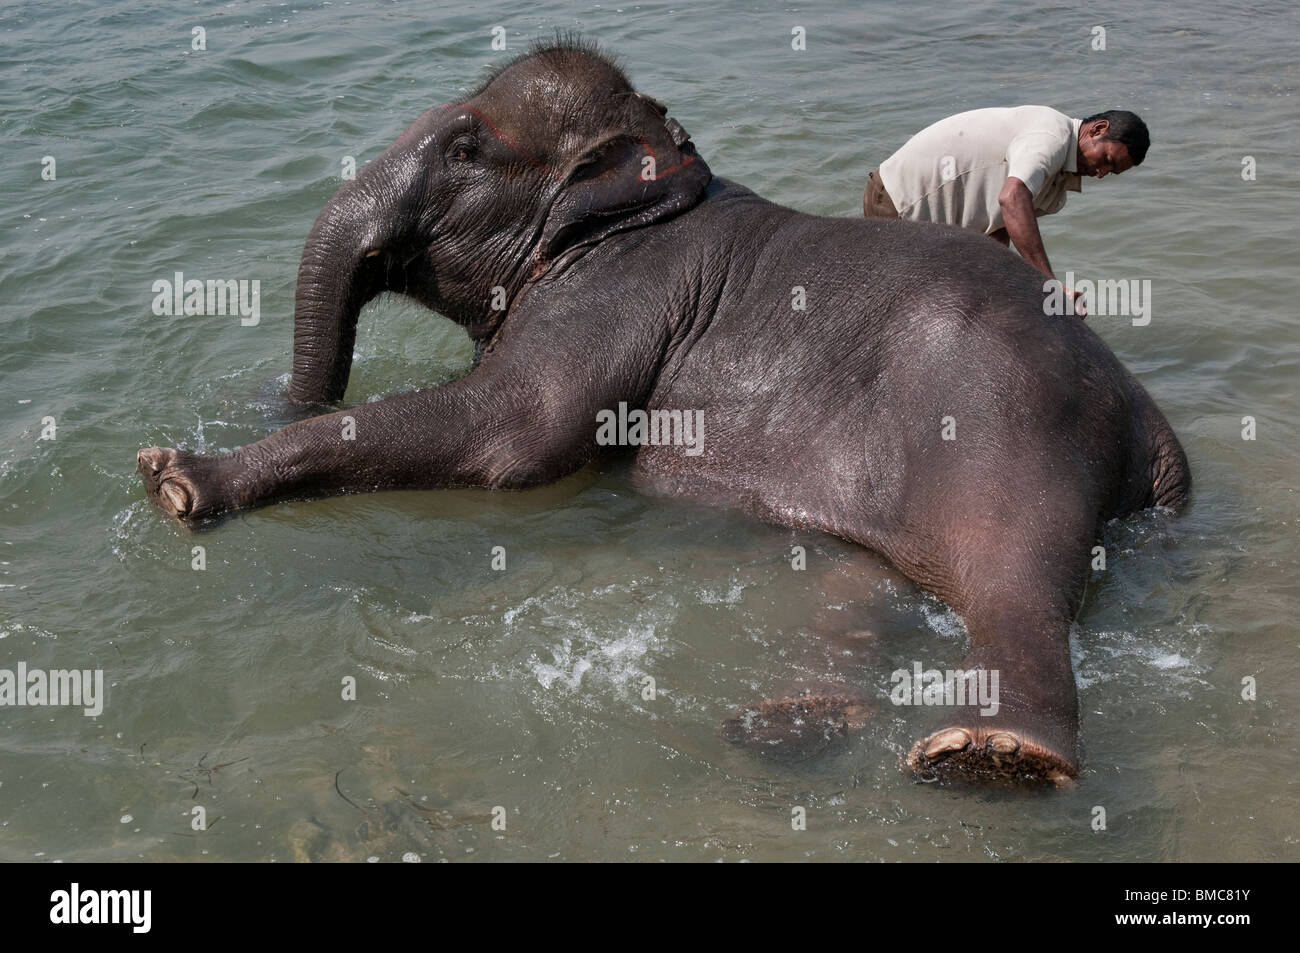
[1080,309]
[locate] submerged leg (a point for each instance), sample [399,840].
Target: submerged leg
[800,725]
[803,717]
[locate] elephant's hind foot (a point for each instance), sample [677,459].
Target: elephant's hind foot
[990,754]
[183,485]
[796,728]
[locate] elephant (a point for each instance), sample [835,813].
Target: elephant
[895,384]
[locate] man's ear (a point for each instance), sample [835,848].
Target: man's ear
[623,182]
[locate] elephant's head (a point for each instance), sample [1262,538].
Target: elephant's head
[551,154]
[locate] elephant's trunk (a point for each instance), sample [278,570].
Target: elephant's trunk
[342,267]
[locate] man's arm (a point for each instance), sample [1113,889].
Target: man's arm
[1017,204]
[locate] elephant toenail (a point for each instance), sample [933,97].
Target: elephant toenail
[1003,742]
[947,742]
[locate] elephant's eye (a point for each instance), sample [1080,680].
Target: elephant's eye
[463,149]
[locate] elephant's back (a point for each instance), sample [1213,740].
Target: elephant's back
[844,286]
[821,323]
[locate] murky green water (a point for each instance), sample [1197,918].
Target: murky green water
[523,689]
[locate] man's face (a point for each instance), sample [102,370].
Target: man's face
[1102,157]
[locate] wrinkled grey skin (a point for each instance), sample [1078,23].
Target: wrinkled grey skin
[675,292]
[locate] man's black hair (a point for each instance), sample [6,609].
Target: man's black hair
[1127,128]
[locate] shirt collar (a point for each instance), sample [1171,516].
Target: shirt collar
[1072,160]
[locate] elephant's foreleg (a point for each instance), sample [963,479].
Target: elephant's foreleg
[458,435]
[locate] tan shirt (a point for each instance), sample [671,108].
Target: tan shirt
[952,171]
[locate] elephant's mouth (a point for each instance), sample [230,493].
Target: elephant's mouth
[401,281]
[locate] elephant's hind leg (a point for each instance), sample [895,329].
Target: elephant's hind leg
[1017,715]
[1021,722]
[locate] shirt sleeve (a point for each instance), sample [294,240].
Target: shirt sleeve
[1034,158]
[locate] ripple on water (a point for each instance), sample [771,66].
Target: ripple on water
[528,687]
[1163,662]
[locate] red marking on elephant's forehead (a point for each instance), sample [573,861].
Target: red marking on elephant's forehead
[514,140]
[535,159]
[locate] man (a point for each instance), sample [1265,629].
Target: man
[997,170]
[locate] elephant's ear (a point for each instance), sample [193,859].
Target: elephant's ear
[624,182]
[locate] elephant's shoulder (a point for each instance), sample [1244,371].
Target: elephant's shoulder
[724,191]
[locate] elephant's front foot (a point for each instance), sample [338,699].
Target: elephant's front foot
[973,752]
[185,486]
[797,727]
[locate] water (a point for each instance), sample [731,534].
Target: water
[523,689]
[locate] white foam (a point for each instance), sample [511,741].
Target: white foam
[943,621]
[608,664]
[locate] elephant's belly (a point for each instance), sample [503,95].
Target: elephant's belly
[772,483]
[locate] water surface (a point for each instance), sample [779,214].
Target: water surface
[523,689]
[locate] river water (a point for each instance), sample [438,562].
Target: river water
[523,689]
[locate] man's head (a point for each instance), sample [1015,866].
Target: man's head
[1112,142]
